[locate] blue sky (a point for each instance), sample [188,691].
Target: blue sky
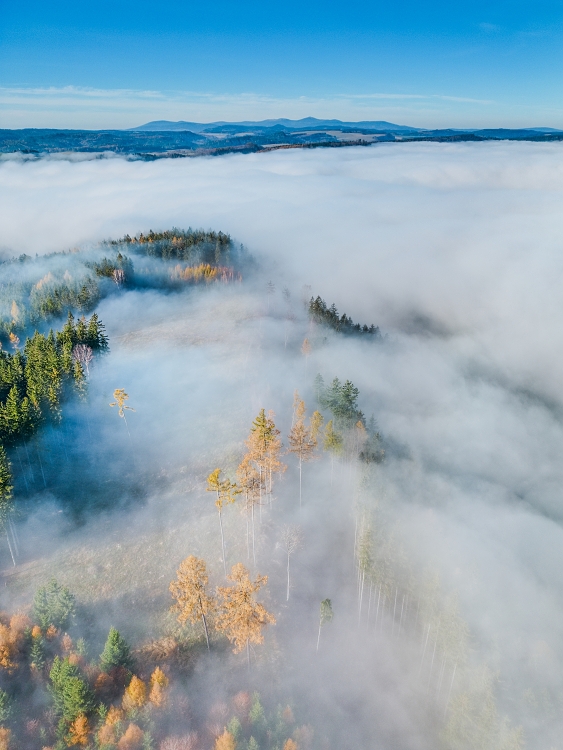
[430,64]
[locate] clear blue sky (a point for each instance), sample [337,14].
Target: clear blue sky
[118,64]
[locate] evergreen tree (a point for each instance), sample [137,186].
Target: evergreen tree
[5,707]
[116,652]
[53,604]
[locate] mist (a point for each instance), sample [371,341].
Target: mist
[454,252]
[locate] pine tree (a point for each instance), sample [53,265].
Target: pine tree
[190,591]
[53,604]
[116,652]
[241,618]
[6,707]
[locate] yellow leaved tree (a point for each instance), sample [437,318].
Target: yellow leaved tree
[226,492]
[190,591]
[241,618]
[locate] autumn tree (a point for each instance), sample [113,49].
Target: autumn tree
[250,484]
[301,441]
[225,741]
[79,731]
[291,540]
[264,450]
[132,739]
[190,591]
[135,694]
[241,618]
[326,616]
[120,398]
[333,443]
[225,492]
[158,684]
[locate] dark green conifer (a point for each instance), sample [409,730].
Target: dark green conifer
[116,652]
[53,604]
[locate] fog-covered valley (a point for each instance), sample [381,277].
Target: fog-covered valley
[433,529]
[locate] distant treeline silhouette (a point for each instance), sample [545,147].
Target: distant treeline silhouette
[328,316]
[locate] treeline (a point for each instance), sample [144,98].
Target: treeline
[39,289]
[35,381]
[320,313]
[194,245]
[348,430]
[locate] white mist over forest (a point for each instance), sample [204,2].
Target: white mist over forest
[454,251]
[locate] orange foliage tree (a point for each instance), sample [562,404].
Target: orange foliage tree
[225,492]
[132,739]
[225,741]
[79,731]
[190,591]
[135,694]
[158,684]
[241,618]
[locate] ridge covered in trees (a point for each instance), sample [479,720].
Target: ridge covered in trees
[34,290]
[320,313]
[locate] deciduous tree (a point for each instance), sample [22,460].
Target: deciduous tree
[241,618]
[190,591]
[301,442]
[225,492]
[291,540]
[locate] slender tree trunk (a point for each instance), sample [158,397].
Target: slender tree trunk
[41,466]
[394,612]
[401,617]
[14,536]
[450,692]
[248,653]
[29,461]
[253,537]
[287,598]
[222,542]
[205,628]
[300,466]
[377,610]
[424,650]
[21,467]
[432,661]
[10,547]
[126,425]
[247,532]
[369,600]
[318,637]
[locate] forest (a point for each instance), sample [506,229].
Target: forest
[246,561]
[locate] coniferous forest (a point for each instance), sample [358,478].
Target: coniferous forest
[203,546]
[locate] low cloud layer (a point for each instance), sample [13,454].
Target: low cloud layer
[454,251]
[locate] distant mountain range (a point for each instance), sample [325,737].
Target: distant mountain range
[164,139]
[306,123]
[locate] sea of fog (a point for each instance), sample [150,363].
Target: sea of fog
[455,251]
